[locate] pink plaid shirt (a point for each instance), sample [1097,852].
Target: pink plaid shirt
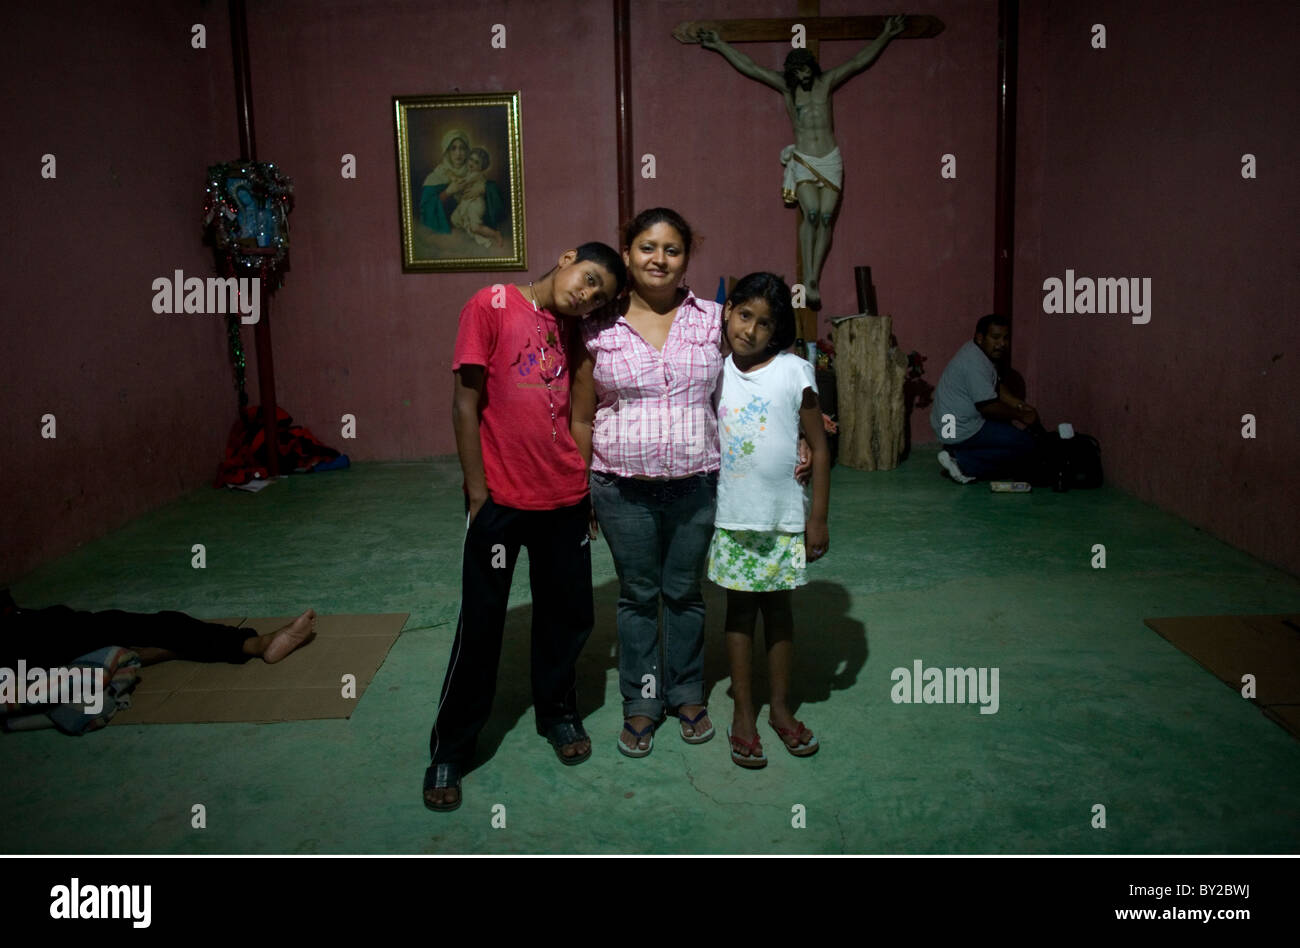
[656,413]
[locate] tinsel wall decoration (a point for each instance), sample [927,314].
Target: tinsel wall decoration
[246,209]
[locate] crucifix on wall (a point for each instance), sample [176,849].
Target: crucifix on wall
[813,169]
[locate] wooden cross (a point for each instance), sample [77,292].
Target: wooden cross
[781,30]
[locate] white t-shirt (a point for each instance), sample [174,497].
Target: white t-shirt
[758,426]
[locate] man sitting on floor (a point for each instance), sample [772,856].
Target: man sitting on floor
[973,412]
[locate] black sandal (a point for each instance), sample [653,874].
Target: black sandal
[442,777]
[567,732]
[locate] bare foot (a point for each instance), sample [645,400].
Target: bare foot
[283,641]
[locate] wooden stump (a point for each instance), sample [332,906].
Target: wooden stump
[870,381]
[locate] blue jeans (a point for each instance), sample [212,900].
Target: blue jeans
[659,533]
[998,449]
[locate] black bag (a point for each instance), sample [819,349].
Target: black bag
[1069,463]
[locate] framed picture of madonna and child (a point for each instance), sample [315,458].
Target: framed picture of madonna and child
[460,182]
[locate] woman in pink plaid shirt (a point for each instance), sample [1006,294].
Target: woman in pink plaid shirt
[644,416]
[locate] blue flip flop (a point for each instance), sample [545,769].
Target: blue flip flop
[698,738]
[639,735]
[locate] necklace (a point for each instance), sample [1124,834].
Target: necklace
[541,362]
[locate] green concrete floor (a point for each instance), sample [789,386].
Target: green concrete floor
[1094,707]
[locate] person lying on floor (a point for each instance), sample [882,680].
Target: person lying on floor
[973,412]
[57,635]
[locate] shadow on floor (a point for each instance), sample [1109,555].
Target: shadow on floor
[830,647]
[830,652]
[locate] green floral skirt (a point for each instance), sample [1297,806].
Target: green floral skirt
[757,560]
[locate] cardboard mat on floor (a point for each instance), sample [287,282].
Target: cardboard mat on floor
[306,685]
[1231,647]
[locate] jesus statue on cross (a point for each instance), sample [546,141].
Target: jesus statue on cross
[813,170]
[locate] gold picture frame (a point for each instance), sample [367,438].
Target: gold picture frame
[460,182]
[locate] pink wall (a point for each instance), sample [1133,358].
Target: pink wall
[133,114]
[1128,166]
[355,334]
[1131,163]
[352,332]
[717,137]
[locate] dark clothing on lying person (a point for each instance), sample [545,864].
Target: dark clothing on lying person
[57,635]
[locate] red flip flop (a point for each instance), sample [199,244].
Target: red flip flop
[799,750]
[756,759]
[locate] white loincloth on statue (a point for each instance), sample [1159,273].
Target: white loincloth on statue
[800,167]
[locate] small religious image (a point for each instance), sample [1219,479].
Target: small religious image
[460,182]
[255,223]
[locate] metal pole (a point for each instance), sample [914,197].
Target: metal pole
[1005,200]
[248,152]
[623,110]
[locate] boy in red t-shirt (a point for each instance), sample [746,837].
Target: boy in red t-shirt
[525,485]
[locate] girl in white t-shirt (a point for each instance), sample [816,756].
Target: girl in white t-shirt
[765,534]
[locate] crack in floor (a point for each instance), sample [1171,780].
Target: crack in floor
[690,778]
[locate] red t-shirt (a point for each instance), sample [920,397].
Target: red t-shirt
[525,467]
